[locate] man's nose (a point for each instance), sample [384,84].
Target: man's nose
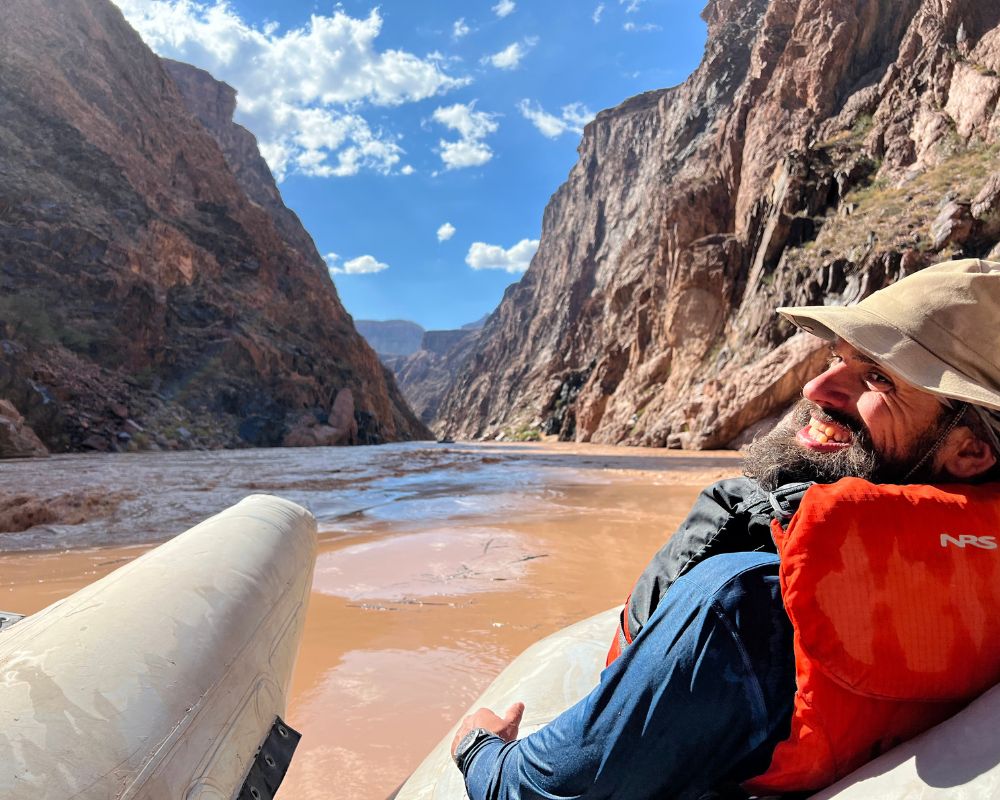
[829,389]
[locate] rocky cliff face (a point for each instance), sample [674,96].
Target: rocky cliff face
[822,149]
[154,290]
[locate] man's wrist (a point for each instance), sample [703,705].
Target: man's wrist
[469,744]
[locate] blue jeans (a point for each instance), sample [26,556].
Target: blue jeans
[700,698]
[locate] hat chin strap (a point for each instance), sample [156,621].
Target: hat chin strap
[962,408]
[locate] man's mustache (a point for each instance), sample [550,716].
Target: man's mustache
[807,409]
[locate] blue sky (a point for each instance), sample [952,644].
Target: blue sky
[419,142]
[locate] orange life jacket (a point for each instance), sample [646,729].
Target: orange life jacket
[894,597]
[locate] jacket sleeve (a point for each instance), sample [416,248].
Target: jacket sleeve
[728,517]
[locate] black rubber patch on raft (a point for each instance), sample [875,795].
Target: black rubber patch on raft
[271,763]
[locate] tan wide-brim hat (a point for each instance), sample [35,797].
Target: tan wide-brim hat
[938,329]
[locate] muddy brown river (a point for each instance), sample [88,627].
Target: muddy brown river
[437,565]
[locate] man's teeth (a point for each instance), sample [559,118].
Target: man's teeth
[823,432]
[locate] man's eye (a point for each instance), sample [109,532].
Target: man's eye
[878,381]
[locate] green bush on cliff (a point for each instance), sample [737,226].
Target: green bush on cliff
[525,433]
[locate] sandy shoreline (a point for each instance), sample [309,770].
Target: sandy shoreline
[410,621]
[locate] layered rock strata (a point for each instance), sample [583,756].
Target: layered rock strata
[154,290]
[821,150]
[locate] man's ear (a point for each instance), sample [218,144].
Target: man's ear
[965,455]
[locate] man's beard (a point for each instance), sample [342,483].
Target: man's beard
[777,458]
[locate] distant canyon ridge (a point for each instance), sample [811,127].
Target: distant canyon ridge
[155,292]
[425,362]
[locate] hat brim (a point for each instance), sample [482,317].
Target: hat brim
[891,348]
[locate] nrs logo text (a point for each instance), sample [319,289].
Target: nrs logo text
[982,542]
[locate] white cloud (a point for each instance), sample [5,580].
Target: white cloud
[597,13]
[631,27]
[464,153]
[510,57]
[406,170]
[572,119]
[362,265]
[472,127]
[460,29]
[492,256]
[445,232]
[631,6]
[300,90]
[504,7]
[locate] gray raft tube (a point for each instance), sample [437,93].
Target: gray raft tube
[162,679]
[957,760]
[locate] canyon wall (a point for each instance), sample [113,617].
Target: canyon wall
[154,290]
[822,149]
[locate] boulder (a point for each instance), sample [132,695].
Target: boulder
[17,440]
[341,427]
[953,224]
[988,199]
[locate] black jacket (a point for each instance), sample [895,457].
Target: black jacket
[731,516]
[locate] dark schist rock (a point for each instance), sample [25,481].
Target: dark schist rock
[821,150]
[154,290]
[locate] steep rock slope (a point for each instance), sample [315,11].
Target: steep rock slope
[154,290]
[822,149]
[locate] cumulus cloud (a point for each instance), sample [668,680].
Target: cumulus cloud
[632,27]
[510,57]
[472,127]
[299,90]
[492,256]
[504,7]
[459,28]
[362,265]
[571,120]
[445,232]
[597,13]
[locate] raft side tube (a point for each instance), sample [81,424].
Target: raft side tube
[958,759]
[162,679]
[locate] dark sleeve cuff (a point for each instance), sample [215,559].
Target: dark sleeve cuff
[480,765]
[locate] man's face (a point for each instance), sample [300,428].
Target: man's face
[855,419]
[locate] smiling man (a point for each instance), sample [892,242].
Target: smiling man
[829,604]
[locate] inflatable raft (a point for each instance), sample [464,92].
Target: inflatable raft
[167,678]
[957,760]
